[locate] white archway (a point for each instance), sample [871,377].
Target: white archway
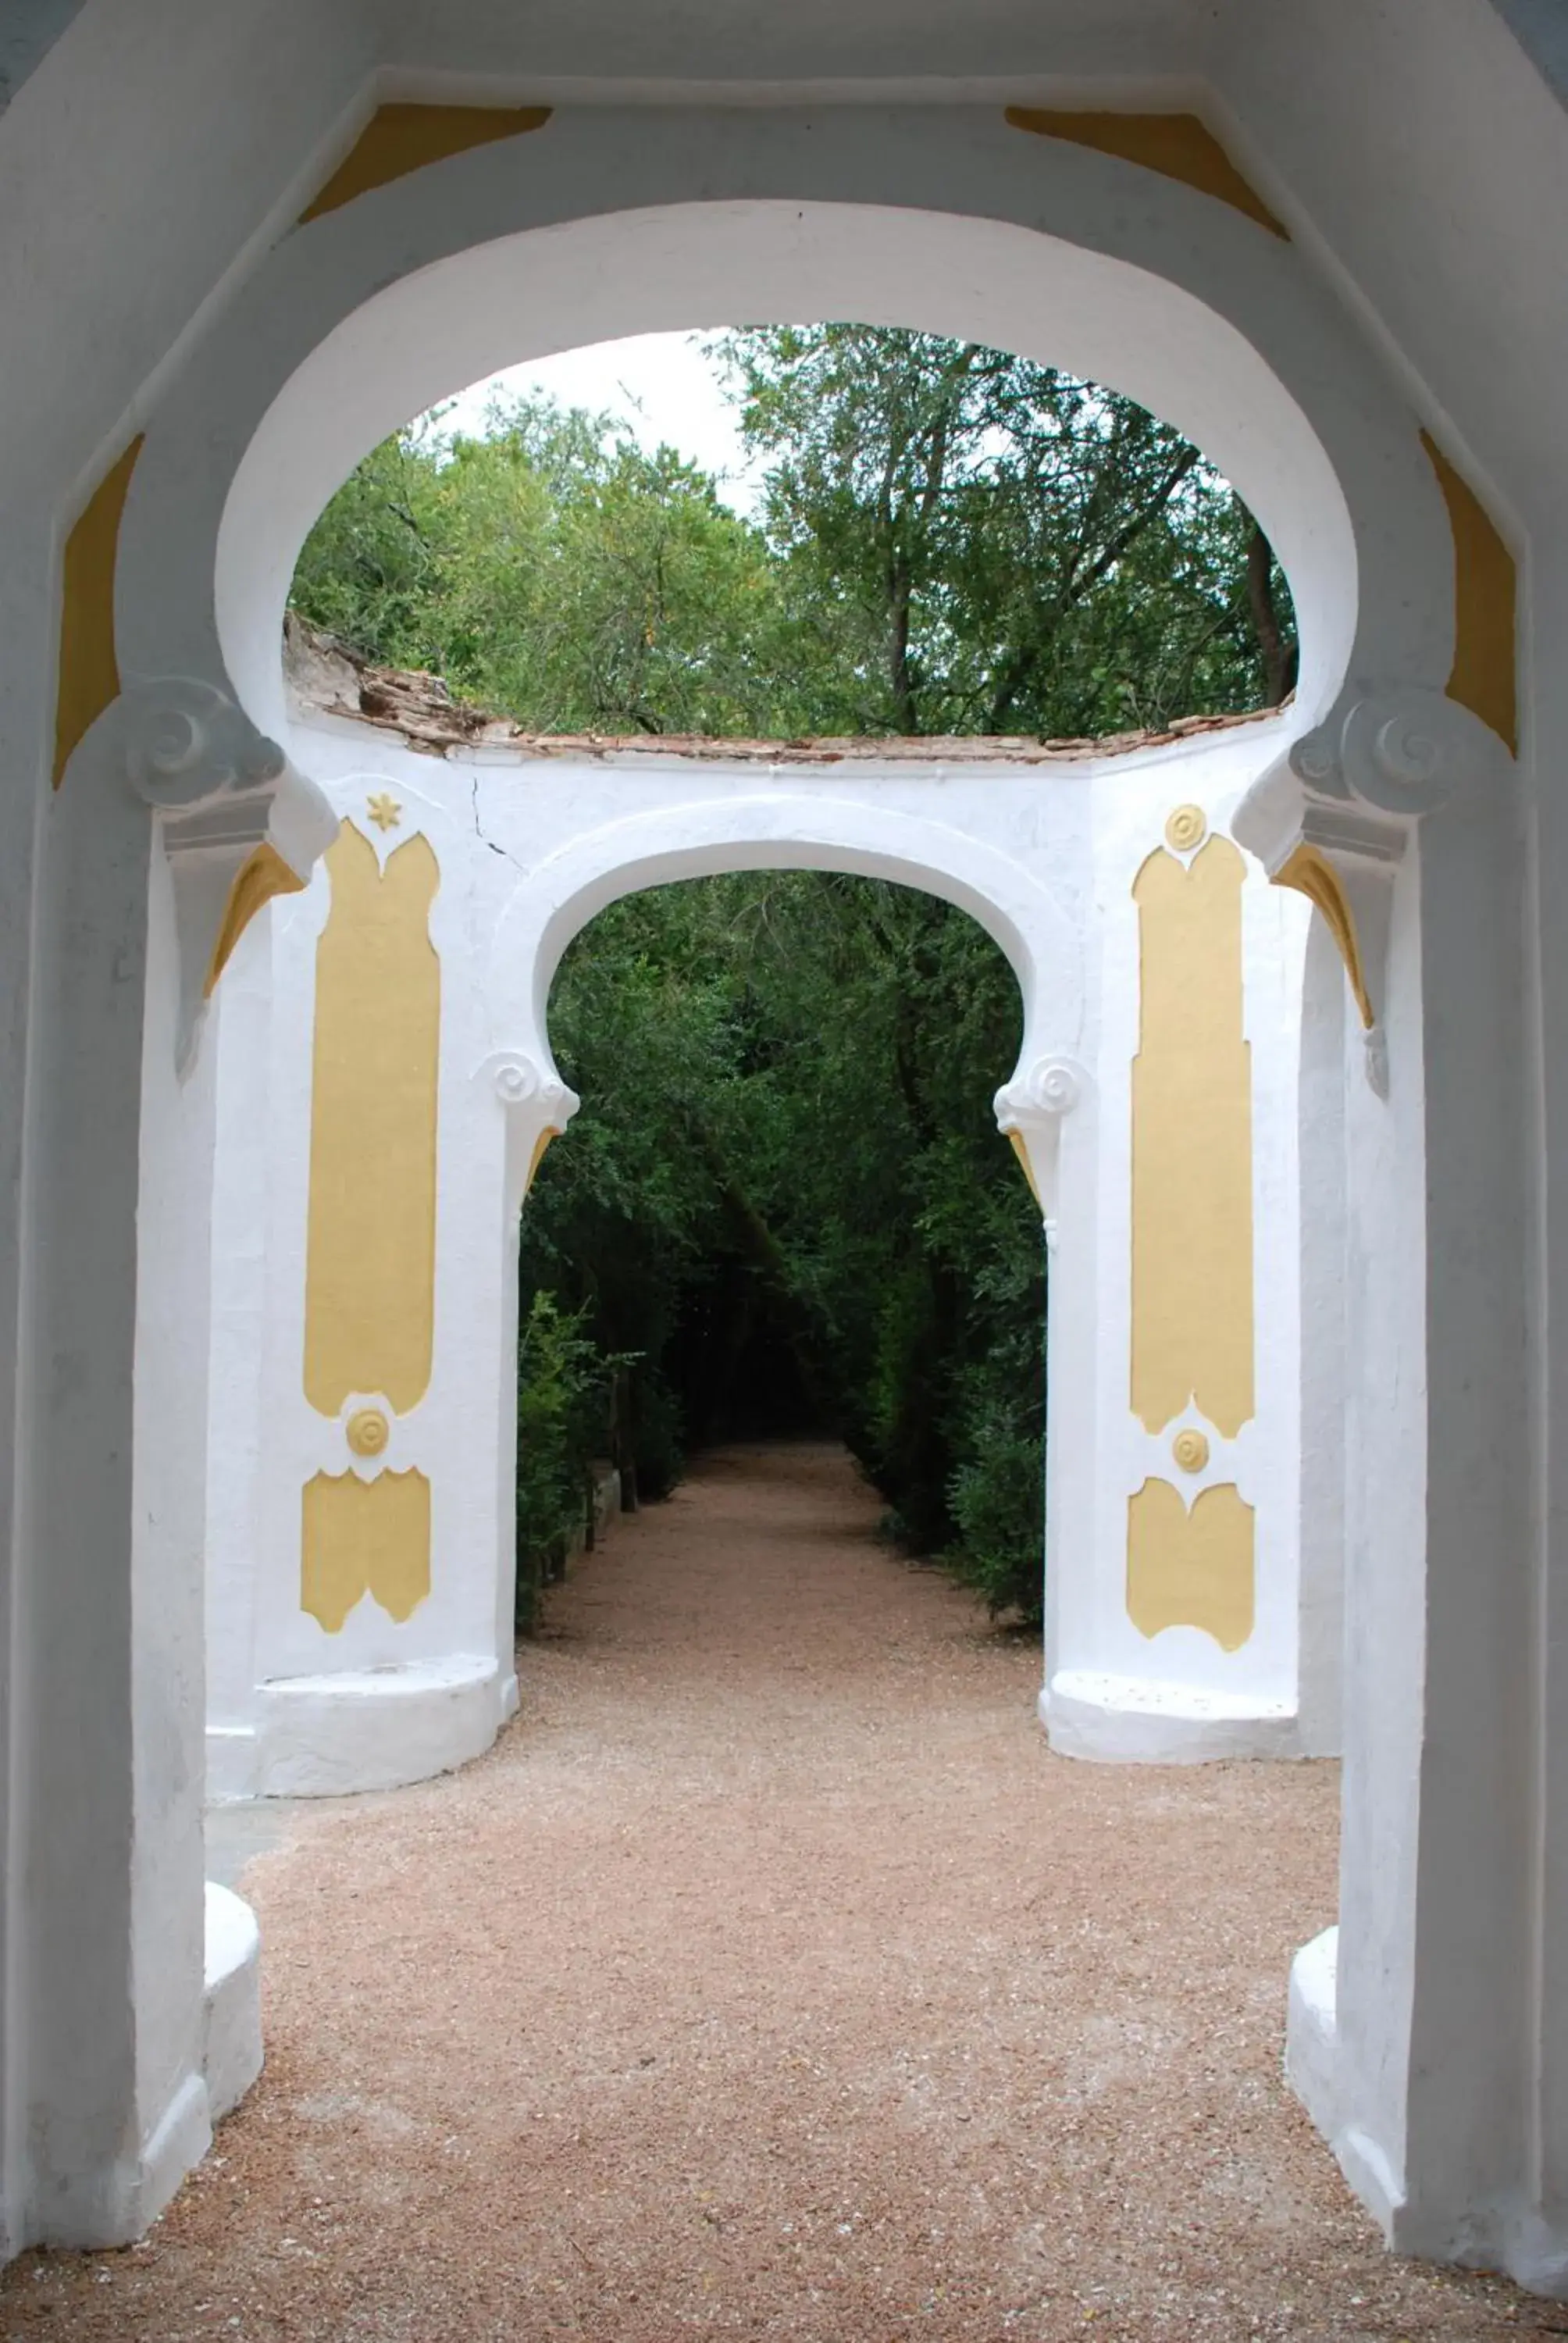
[708,265]
[784,832]
[1395,790]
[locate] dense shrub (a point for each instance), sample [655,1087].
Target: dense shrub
[563,1385]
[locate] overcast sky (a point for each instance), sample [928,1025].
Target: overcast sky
[660,385]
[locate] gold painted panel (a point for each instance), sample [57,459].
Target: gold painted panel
[89,674]
[1484,675]
[370,1251]
[1177,146]
[399,139]
[1191,1569]
[1191,1146]
[364,1537]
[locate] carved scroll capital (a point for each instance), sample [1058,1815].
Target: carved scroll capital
[1030,1112]
[520,1084]
[1357,783]
[538,1107]
[1334,816]
[1049,1089]
[238,822]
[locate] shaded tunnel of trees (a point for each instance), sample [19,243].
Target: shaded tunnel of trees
[784,1206]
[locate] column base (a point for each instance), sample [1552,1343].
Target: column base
[1512,2238]
[1137,1721]
[231,2000]
[1314,2071]
[115,2204]
[326,1737]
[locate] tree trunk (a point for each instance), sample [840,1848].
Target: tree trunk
[1279,656]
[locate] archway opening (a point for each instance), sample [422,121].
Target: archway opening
[784,1211]
[856,530]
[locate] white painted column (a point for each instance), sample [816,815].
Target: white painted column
[241,1048]
[1117,1688]
[1324,1364]
[332,1704]
[1414,2028]
[161,804]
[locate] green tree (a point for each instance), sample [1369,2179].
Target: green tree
[787,1172]
[555,573]
[955,541]
[998,546]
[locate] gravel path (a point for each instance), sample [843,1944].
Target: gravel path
[772,1980]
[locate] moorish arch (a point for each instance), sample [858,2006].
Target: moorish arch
[1137,256]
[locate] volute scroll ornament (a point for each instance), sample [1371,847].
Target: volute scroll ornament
[1030,1112]
[1052,1086]
[538,1107]
[1405,751]
[520,1082]
[1332,818]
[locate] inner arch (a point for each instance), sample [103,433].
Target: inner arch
[705,266]
[563,893]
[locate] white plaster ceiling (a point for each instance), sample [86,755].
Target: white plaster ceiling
[1413,143]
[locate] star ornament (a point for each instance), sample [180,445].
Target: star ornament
[385,811]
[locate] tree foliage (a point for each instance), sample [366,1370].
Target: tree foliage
[998,546]
[953,540]
[786,1193]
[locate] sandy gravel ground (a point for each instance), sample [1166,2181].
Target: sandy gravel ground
[772,1980]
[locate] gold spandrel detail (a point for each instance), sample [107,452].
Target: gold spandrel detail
[261,876]
[88,676]
[1309,872]
[1178,146]
[400,138]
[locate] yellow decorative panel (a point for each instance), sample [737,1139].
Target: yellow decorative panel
[89,673]
[1191,1146]
[1485,588]
[364,1537]
[1177,146]
[1191,1569]
[399,139]
[371,1253]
